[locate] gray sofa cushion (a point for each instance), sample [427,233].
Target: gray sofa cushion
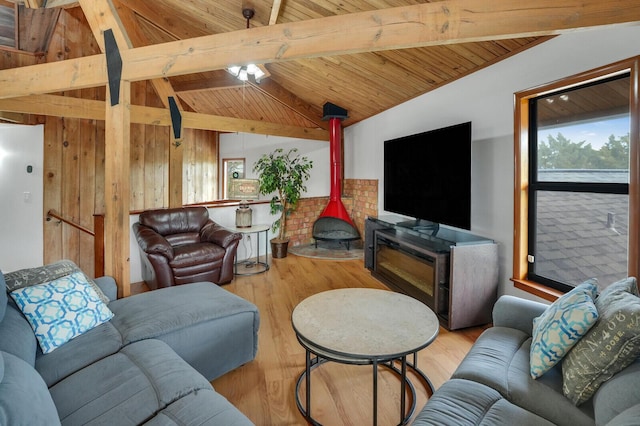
[518,313]
[629,417]
[152,314]
[463,402]
[127,388]
[613,397]
[3,296]
[182,317]
[77,353]
[16,335]
[108,286]
[24,397]
[490,358]
[500,359]
[204,407]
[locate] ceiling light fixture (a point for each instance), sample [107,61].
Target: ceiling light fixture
[243,72]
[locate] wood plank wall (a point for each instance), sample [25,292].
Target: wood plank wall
[74,155]
[200,166]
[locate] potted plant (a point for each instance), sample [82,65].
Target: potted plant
[284,175]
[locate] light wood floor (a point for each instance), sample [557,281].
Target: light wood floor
[341,395]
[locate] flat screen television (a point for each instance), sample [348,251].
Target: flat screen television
[427,176]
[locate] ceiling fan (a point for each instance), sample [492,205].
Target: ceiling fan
[249,71]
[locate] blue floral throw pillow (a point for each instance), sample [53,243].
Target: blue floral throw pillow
[61,309]
[561,326]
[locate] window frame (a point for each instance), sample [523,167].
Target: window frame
[522,161]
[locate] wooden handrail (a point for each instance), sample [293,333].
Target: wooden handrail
[98,238]
[52,213]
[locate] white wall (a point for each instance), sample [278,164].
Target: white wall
[487,99]
[21,228]
[251,147]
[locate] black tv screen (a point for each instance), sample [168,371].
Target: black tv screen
[427,176]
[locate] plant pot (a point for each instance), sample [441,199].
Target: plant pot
[279,248]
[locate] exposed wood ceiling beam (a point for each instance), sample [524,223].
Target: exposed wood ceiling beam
[275,11]
[55,105]
[101,17]
[162,86]
[66,106]
[33,4]
[452,21]
[449,21]
[12,117]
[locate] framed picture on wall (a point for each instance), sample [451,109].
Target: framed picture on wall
[232,168]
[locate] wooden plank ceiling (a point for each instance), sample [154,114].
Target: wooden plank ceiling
[365,83]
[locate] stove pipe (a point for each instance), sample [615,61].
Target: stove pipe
[335,208]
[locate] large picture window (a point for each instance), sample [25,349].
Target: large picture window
[579,184]
[575,215]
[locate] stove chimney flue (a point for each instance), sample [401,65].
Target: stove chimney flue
[335,208]
[330,110]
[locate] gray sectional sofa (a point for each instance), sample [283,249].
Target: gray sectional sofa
[493,385]
[150,364]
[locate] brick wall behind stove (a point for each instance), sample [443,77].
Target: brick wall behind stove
[359,196]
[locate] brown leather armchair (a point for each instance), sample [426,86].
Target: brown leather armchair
[183,245]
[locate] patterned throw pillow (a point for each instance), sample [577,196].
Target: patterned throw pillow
[609,347]
[561,326]
[62,309]
[44,274]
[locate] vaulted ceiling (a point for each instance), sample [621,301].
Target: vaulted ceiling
[363,81]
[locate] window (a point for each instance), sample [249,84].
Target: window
[575,216]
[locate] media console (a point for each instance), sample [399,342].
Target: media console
[454,272]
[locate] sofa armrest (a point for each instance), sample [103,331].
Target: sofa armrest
[618,394]
[108,286]
[217,234]
[518,313]
[152,242]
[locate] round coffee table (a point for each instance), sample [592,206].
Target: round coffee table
[364,326]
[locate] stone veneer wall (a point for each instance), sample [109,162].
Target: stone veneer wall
[360,198]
